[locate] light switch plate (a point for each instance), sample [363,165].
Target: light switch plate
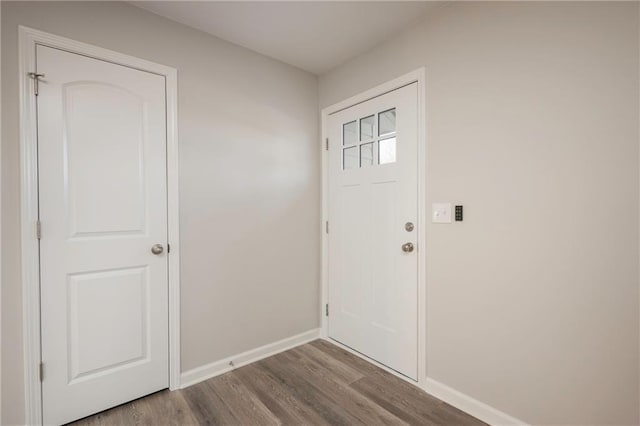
[441,212]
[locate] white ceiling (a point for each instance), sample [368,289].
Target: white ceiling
[315,36]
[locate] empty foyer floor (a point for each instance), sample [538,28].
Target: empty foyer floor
[314,384]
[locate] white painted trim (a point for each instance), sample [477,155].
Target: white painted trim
[374,92]
[469,405]
[213,369]
[422,226]
[29,216]
[173,226]
[28,39]
[412,77]
[324,242]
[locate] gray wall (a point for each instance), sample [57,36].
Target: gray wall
[532,124]
[249,183]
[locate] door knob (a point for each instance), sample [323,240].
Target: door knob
[407,247]
[157,249]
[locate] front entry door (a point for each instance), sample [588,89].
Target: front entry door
[103,206]
[373,212]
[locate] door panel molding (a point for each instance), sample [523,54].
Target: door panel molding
[416,76]
[28,40]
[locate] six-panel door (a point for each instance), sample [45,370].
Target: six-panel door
[103,205]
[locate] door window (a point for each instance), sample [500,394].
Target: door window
[369,141]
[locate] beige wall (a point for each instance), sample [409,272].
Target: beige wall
[532,124]
[249,182]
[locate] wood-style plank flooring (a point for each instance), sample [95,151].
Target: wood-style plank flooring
[314,384]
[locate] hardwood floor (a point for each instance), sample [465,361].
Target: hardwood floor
[314,384]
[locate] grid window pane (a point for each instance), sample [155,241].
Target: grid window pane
[350,158]
[366,128]
[366,154]
[387,122]
[387,151]
[350,133]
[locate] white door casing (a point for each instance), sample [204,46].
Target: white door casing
[142,341]
[372,193]
[103,204]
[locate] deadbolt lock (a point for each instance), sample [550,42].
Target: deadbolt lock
[408,226]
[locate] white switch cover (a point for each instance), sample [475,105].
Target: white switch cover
[441,212]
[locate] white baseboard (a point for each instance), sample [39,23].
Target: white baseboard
[470,405]
[216,368]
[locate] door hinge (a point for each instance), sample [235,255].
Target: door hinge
[36,79]
[41,371]
[326,310]
[326,227]
[38,230]
[326,144]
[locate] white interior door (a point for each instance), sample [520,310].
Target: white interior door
[103,205]
[373,208]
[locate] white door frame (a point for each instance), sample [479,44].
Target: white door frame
[28,39]
[417,76]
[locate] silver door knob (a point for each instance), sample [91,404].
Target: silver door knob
[407,247]
[157,249]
